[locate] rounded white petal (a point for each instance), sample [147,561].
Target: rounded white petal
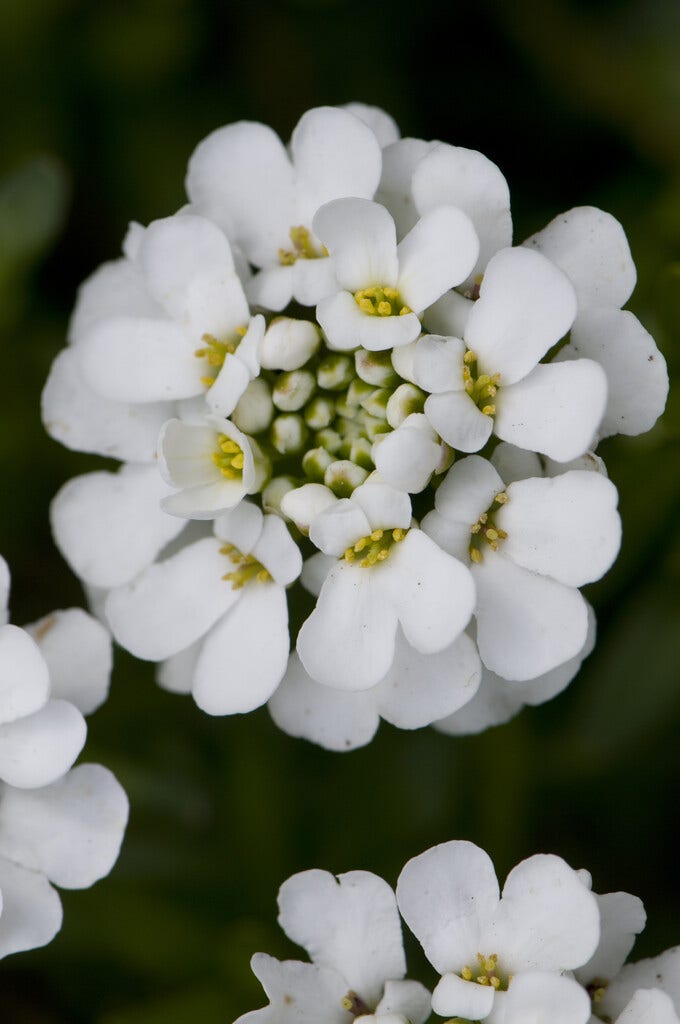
[277,551]
[24,675]
[556,409]
[350,923]
[648,1006]
[622,917]
[438,364]
[590,246]
[335,154]
[446,896]
[339,526]
[82,420]
[298,993]
[348,640]
[241,177]
[537,997]
[31,910]
[526,624]
[546,919]
[39,748]
[347,327]
[71,830]
[526,305]
[566,526]
[335,719]
[432,593]
[244,655]
[469,180]
[421,688]
[459,421]
[362,240]
[637,375]
[172,603]
[77,649]
[110,526]
[464,999]
[437,253]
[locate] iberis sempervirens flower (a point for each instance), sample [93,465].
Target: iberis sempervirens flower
[335,363]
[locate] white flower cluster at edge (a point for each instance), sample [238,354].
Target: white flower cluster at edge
[544,950]
[333,371]
[59,825]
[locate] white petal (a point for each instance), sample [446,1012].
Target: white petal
[438,253]
[335,154]
[82,420]
[348,640]
[432,593]
[590,246]
[339,526]
[622,917]
[350,923]
[278,552]
[525,306]
[335,719]
[421,688]
[406,999]
[245,654]
[241,176]
[31,909]
[438,364]
[543,998]
[637,375]
[361,238]
[189,270]
[71,830]
[382,124]
[566,527]
[546,919]
[77,649]
[385,506]
[347,327]
[172,603]
[110,526]
[39,748]
[648,1006]
[556,409]
[661,971]
[299,993]
[459,421]
[464,999]
[24,675]
[526,624]
[131,359]
[446,896]
[399,162]
[467,179]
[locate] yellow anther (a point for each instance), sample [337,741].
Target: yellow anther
[376,535]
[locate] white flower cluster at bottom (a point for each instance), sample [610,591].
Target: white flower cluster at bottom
[545,950]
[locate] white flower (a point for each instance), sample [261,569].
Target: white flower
[492,381]
[242,177]
[350,927]
[386,573]
[531,545]
[481,942]
[219,607]
[180,325]
[68,834]
[384,285]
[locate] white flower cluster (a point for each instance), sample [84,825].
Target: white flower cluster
[544,951]
[58,824]
[336,365]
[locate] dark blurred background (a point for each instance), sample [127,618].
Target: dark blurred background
[102,102]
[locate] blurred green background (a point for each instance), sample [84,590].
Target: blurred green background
[102,102]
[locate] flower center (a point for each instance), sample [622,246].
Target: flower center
[303,247]
[229,458]
[215,352]
[479,386]
[486,972]
[354,1004]
[381,302]
[246,569]
[374,548]
[485,529]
